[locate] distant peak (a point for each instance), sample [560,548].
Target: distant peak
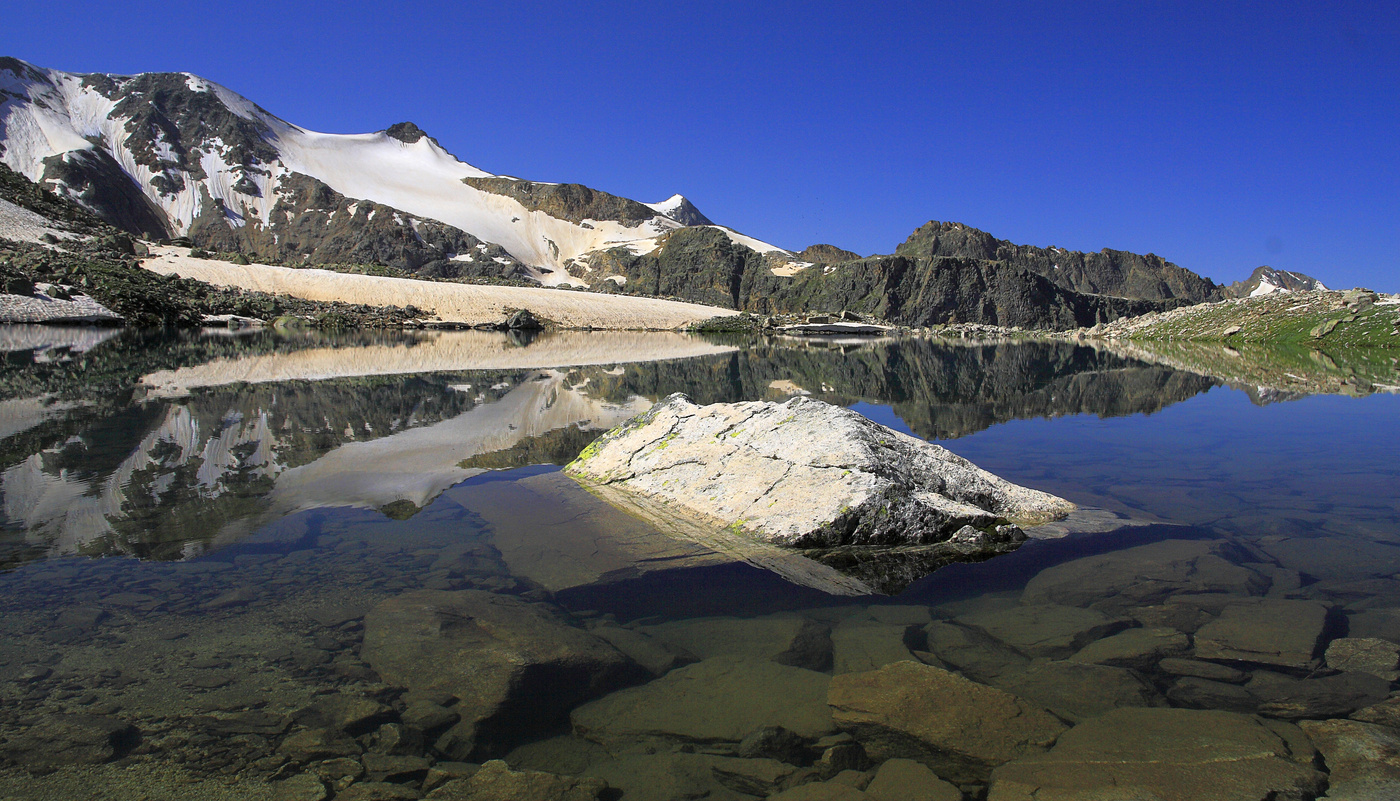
[678,208]
[405,132]
[827,254]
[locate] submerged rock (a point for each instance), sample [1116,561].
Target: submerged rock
[1166,754]
[1049,630]
[717,700]
[497,782]
[516,667]
[1266,631]
[957,727]
[1147,574]
[1363,759]
[785,638]
[1366,655]
[63,740]
[805,474]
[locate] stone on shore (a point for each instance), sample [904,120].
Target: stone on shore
[516,667]
[958,728]
[804,474]
[1165,755]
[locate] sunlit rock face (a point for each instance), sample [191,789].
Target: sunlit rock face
[808,474]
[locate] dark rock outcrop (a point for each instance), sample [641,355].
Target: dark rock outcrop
[1108,272]
[826,254]
[572,202]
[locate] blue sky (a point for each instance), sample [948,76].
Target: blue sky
[1219,135]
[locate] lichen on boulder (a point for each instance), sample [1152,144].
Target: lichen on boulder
[806,474]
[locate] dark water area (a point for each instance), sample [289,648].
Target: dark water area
[316,566]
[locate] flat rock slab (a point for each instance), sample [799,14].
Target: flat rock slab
[1366,655]
[1363,759]
[1147,574]
[958,728]
[716,700]
[497,782]
[1075,691]
[1264,631]
[784,638]
[63,740]
[1164,755]
[806,474]
[1050,630]
[1135,648]
[517,667]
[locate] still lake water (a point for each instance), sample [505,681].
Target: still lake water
[210,543]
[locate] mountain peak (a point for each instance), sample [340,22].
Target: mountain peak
[678,208]
[1266,280]
[405,132]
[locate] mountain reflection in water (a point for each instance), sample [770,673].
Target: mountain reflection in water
[162,449]
[327,524]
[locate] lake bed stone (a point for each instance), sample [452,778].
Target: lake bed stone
[958,728]
[1146,574]
[1365,654]
[785,638]
[1138,648]
[517,667]
[907,780]
[1168,754]
[715,700]
[1363,759]
[1266,631]
[495,781]
[1049,630]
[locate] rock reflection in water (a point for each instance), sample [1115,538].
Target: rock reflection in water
[1249,655]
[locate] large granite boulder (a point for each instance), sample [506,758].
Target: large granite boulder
[805,474]
[516,667]
[1166,755]
[958,728]
[716,700]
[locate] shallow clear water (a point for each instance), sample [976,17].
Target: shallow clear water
[207,537]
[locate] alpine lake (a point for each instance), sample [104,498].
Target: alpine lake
[258,565]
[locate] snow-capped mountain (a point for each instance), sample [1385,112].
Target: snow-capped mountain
[1266,280]
[171,155]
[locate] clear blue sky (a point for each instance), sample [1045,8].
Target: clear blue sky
[1219,135]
